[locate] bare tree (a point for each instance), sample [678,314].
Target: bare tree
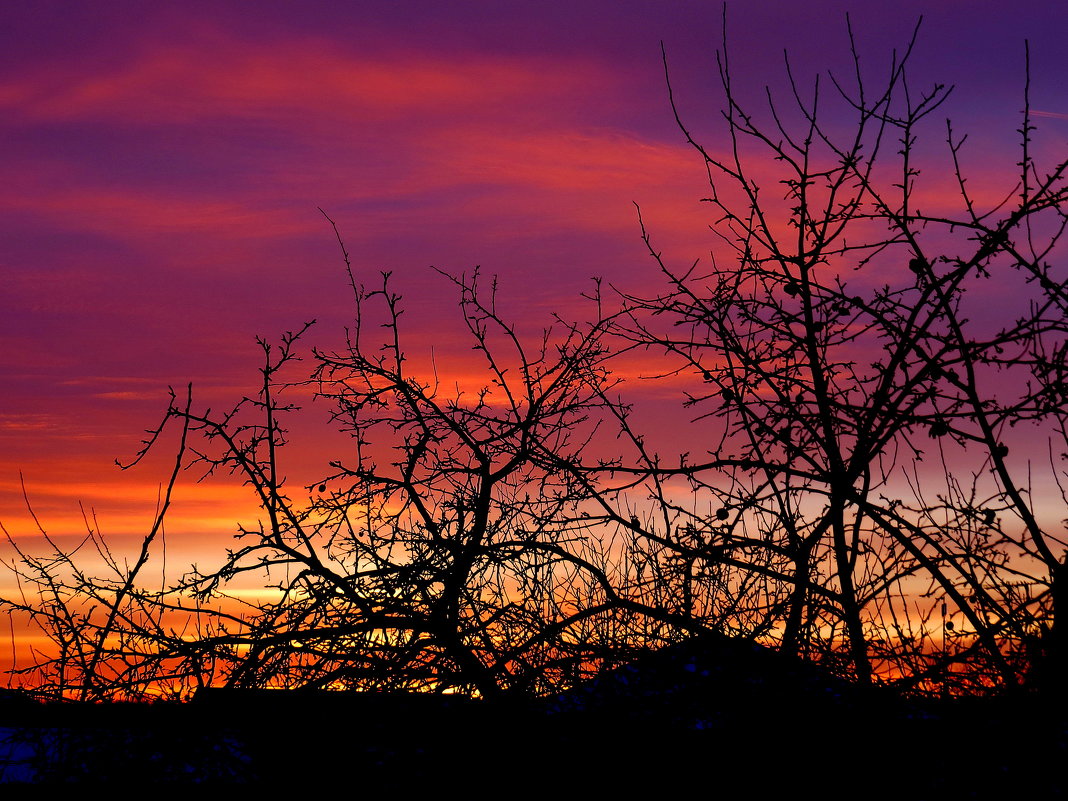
[867,381]
[449,548]
[861,367]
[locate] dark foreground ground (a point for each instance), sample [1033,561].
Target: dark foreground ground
[718,719]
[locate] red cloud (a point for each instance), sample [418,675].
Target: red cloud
[225,78]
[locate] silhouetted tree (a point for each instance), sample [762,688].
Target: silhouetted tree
[862,367]
[866,378]
[450,548]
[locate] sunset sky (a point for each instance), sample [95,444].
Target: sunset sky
[163,165]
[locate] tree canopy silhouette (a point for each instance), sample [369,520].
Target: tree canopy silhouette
[870,357]
[866,366]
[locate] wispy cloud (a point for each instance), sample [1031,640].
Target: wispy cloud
[1057,115]
[222,77]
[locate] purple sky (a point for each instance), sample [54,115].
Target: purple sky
[163,164]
